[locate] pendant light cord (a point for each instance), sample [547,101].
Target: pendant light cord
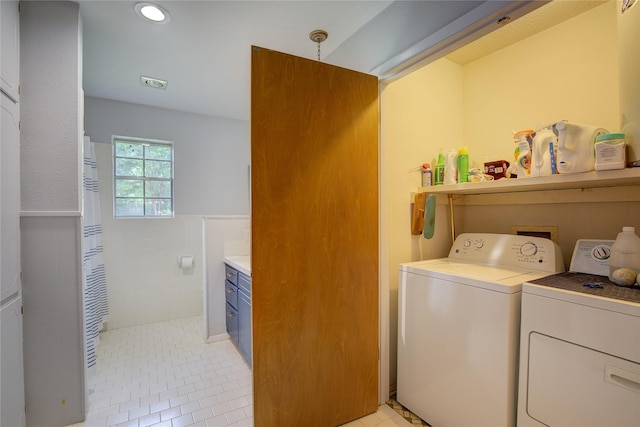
[318,36]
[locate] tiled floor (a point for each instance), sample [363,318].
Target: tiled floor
[164,375]
[413,419]
[385,417]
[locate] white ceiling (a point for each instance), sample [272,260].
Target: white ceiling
[204,50]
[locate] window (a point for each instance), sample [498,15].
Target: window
[143,178]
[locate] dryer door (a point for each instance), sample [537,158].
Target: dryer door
[571,385]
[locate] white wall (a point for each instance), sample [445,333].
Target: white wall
[144,283]
[54,358]
[51,73]
[566,72]
[211,154]
[51,122]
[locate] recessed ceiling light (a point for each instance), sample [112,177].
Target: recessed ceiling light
[152,12]
[153,82]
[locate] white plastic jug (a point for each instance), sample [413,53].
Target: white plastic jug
[624,263]
[451,167]
[575,146]
[543,153]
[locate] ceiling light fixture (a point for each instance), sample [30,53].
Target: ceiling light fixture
[153,82]
[152,12]
[318,36]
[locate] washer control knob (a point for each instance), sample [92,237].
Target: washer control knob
[601,252]
[467,243]
[480,245]
[529,249]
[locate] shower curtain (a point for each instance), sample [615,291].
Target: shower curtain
[95,288]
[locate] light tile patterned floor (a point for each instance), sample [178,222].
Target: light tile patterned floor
[164,375]
[413,419]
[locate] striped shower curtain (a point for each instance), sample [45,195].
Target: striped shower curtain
[95,287]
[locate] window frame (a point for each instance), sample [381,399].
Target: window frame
[145,142]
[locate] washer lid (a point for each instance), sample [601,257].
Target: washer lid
[497,278]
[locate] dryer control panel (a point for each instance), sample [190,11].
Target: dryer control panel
[591,257]
[534,253]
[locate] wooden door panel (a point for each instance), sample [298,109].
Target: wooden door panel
[314,155]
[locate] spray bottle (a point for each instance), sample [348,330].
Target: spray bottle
[463,164]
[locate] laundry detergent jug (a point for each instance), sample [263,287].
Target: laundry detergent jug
[576,146]
[543,153]
[522,155]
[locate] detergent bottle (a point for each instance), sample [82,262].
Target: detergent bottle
[576,146]
[524,139]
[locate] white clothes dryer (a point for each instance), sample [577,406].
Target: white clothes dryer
[458,328]
[579,353]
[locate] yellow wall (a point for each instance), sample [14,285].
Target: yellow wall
[597,213]
[419,114]
[422,113]
[566,72]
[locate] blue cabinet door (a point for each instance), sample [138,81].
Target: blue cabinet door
[232,322]
[244,324]
[231,294]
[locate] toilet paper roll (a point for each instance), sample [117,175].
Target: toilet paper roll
[186,262]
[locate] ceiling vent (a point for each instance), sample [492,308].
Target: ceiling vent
[153,82]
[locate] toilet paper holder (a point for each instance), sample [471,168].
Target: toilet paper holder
[185,261]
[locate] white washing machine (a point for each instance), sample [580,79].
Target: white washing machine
[580,352]
[458,328]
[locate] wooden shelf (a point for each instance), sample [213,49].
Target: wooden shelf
[612,178]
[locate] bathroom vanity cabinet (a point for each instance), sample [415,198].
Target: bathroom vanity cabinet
[238,307]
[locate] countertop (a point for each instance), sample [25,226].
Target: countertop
[242,263]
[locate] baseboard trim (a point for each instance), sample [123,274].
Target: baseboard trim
[216,338]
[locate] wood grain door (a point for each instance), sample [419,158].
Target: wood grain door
[314,186]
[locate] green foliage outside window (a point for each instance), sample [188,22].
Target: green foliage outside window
[143,178]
